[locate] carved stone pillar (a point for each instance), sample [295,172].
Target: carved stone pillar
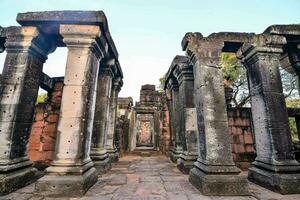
[188,121]
[26,50]
[175,114]
[214,172]
[110,145]
[275,166]
[99,154]
[72,172]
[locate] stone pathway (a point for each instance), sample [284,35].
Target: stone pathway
[147,178]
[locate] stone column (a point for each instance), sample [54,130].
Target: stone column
[72,172]
[110,145]
[188,121]
[26,50]
[275,166]
[99,154]
[175,114]
[214,172]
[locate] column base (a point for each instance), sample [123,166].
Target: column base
[113,154]
[186,162]
[18,178]
[222,183]
[66,185]
[175,154]
[284,183]
[101,159]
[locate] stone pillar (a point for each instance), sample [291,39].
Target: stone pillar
[26,50]
[72,173]
[214,172]
[110,145]
[275,166]
[177,142]
[99,154]
[188,121]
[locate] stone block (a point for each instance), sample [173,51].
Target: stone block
[288,183]
[14,180]
[66,185]
[227,185]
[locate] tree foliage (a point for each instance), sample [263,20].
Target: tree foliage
[42,98]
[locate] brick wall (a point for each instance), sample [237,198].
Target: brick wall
[242,139]
[41,145]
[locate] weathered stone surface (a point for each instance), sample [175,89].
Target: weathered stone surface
[26,52]
[214,167]
[110,143]
[72,172]
[100,125]
[275,166]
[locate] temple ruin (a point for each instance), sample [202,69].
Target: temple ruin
[67,144]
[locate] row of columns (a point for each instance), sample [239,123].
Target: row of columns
[275,167]
[180,82]
[88,110]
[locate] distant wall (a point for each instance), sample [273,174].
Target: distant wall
[242,137]
[42,139]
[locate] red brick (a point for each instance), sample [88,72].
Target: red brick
[234,148]
[233,130]
[248,139]
[48,146]
[36,131]
[39,116]
[239,131]
[241,138]
[48,155]
[230,121]
[34,146]
[52,118]
[35,155]
[240,148]
[250,148]
[35,138]
[244,165]
[50,128]
[58,86]
[38,124]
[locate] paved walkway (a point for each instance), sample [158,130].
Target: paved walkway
[148,178]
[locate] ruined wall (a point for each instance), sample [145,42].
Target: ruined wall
[165,134]
[242,137]
[122,123]
[41,145]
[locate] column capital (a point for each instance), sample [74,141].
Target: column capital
[183,72]
[82,36]
[173,84]
[205,50]
[117,84]
[28,39]
[261,45]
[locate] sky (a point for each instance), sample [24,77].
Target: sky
[148,33]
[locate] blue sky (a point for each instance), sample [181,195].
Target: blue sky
[148,33]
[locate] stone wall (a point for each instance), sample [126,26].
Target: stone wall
[43,133]
[242,137]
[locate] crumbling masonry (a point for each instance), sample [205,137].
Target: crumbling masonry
[64,143]
[91,84]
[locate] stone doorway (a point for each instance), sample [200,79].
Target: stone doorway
[145,131]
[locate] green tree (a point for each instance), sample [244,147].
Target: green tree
[42,97]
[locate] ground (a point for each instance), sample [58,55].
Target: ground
[147,178]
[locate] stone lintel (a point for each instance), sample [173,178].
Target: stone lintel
[288,30]
[49,22]
[184,72]
[178,60]
[269,44]
[2,39]
[233,37]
